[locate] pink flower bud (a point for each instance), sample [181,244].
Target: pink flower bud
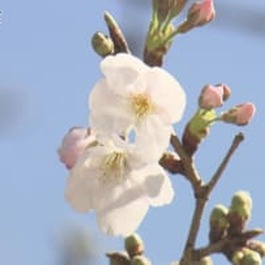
[201,13]
[240,115]
[227,91]
[73,145]
[211,97]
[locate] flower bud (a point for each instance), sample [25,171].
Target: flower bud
[134,245]
[239,212]
[161,8]
[204,261]
[167,8]
[74,144]
[118,258]
[197,129]
[226,91]
[201,13]
[102,44]
[237,257]
[218,223]
[257,246]
[211,97]
[246,256]
[140,260]
[239,115]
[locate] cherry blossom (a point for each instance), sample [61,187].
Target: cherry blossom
[134,96]
[111,179]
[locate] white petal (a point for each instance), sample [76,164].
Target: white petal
[156,183]
[124,219]
[152,138]
[109,112]
[122,70]
[166,92]
[81,186]
[166,193]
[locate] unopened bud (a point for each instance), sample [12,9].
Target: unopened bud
[118,258]
[74,143]
[197,129]
[251,258]
[211,97]
[167,9]
[257,246]
[102,44]
[134,245]
[140,260]
[239,212]
[201,13]
[246,256]
[239,115]
[161,9]
[204,261]
[218,223]
[226,91]
[237,256]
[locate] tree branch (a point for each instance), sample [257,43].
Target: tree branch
[202,193]
[187,162]
[225,243]
[235,144]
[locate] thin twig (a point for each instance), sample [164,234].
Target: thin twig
[202,192]
[187,162]
[196,220]
[226,243]
[235,144]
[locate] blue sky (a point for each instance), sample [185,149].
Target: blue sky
[47,69]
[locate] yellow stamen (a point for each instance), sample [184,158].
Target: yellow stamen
[141,104]
[113,166]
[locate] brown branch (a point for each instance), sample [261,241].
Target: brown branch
[187,162]
[235,144]
[171,163]
[227,243]
[196,220]
[202,192]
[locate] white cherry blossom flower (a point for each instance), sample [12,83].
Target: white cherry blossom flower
[111,179]
[135,96]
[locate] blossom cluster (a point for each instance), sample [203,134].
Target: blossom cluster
[113,166]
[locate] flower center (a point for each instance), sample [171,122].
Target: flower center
[141,104]
[114,166]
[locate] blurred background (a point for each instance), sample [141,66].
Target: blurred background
[47,68]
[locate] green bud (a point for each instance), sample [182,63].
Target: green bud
[140,260]
[251,258]
[118,258]
[161,9]
[204,261]
[134,245]
[241,205]
[246,256]
[239,212]
[237,257]
[218,223]
[257,246]
[102,44]
[200,122]
[197,129]
[218,216]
